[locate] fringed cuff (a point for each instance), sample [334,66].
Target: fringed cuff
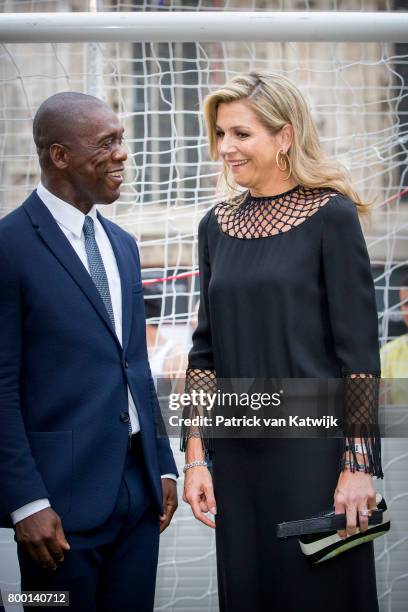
[361,394]
[199,385]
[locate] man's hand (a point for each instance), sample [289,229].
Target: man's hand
[353,495]
[170,502]
[199,493]
[42,537]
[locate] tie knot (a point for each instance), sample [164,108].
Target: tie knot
[89,229]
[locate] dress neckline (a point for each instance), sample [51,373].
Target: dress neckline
[250,198]
[263,216]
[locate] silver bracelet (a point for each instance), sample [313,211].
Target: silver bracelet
[194,464]
[359,467]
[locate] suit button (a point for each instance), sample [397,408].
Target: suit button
[126,364]
[124,417]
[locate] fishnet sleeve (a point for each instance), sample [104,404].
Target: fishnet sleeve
[353,329]
[199,385]
[361,393]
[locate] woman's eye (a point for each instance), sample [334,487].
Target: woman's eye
[243,135]
[220,134]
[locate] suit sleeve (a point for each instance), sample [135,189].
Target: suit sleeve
[20,481]
[201,375]
[167,464]
[354,328]
[166,461]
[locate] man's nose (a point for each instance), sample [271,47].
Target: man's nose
[119,153]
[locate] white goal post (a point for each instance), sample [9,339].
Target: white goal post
[205,26]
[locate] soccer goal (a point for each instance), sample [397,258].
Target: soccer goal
[154,62]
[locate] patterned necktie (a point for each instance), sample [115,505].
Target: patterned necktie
[96,267]
[98,274]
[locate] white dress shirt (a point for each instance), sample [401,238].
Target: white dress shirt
[71,221]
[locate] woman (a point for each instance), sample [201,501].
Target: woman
[286,292]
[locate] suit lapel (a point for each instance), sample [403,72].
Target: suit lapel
[126,277]
[59,245]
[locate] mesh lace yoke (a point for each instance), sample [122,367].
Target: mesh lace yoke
[262,217]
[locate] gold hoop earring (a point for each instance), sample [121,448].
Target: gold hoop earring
[283,163]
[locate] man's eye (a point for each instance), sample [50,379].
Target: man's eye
[107,144]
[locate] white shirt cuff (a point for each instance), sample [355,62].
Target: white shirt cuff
[172,476]
[29,509]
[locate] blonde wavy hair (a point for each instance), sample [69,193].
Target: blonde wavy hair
[275,100]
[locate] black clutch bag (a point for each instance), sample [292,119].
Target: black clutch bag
[318,537]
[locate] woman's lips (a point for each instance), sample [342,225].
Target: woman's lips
[236,166]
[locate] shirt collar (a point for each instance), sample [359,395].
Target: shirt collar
[64,213]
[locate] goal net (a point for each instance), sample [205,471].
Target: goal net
[358,95]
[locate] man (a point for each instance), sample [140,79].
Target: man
[394,356]
[80,459]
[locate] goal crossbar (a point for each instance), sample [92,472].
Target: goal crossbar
[204,26]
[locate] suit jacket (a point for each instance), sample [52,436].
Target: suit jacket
[64,375]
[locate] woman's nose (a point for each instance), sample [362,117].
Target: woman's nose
[226,146]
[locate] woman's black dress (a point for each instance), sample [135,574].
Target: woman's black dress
[286,291]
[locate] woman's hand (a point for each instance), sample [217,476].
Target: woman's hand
[354,493]
[199,493]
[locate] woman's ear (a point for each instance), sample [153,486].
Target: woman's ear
[286,137]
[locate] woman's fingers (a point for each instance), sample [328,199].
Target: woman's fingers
[372,501]
[351,515]
[364,511]
[200,516]
[199,493]
[209,497]
[363,514]
[340,508]
[354,496]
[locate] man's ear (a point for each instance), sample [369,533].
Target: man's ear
[59,156]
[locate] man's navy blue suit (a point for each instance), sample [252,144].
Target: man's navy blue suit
[64,376]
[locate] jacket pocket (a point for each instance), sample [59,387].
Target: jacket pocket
[53,454]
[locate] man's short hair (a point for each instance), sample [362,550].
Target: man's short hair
[56,117]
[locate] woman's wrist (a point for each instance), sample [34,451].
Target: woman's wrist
[194,450]
[350,465]
[194,464]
